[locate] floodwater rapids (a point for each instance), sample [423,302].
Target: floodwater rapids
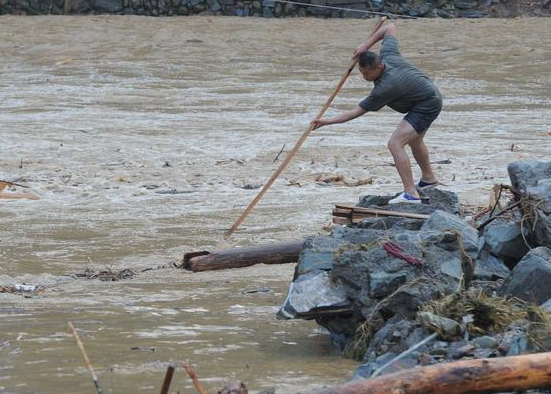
[147,137]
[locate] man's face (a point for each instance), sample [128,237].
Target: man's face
[371,74]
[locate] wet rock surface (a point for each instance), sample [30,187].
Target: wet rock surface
[530,279]
[478,289]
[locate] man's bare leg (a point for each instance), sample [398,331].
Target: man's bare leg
[421,155]
[402,136]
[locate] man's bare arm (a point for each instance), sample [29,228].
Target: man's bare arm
[386,30]
[341,118]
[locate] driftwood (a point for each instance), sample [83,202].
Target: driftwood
[280,253]
[346,214]
[15,196]
[493,375]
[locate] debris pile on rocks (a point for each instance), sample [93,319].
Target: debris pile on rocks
[482,285]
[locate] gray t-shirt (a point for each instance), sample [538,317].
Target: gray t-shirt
[400,86]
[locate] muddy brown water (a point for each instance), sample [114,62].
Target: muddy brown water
[143,135]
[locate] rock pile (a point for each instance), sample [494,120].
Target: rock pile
[271,8]
[384,285]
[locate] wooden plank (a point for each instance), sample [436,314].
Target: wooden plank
[340,220]
[382,212]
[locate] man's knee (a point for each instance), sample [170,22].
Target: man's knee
[395,143]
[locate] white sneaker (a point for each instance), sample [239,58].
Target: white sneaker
[404,197]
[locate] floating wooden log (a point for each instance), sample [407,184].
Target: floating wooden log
[278,253]
[493,375]
[347,214]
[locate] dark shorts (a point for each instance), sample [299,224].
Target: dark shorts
[421,120]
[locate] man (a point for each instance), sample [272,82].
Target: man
[405,89]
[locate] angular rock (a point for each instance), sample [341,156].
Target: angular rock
[355,14]
[482,353]
[408,301]
[382,284]
[541,193]
[464,4]
[314,294]
[540,197]
[364,371]
[452,268]
[474,14]
[517,345]
[80,6]
[438,200]
[214,5]
[461,349]
[524,174]
[448,328]
[489,267]
[547,305]
[444,222]
[485,342]
[376,5]
[530,279]
[505,240]
[108,5]
[446,14]
[318,253]
[384,223]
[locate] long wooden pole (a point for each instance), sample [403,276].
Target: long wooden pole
[191,372]
[491,375]
[86,360]
[297,146]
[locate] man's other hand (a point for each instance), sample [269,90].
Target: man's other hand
[320,122]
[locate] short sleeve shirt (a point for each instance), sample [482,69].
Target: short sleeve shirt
[401,86]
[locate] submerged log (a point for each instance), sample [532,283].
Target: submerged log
[493,375]
[280,253]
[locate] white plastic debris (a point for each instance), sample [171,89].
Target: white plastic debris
[24,287]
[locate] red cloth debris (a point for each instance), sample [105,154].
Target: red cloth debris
[397,251]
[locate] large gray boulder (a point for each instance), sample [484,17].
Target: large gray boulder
[541,193]
[505,240]
[533,180]
[540,196]
[444,222]
[317,254]
[489,267]
[530,279]
[314,294]
[441,200]
[524,174]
